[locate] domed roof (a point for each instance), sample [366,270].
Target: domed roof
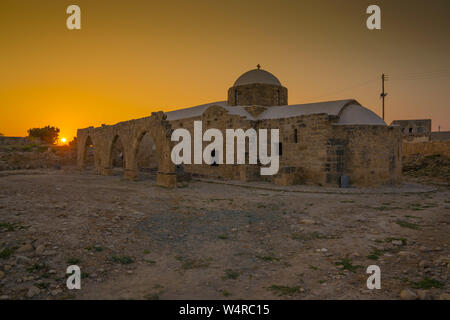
[257,76]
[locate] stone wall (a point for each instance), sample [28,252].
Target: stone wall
[304,145]
[413,138]
[440,135]
[314,149]
[217,118]
[18,157]
[369,155]
[426,148]
[15,141]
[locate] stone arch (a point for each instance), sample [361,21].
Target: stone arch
[145,151]
[132,163]
[83,145]
[138,140]
[130,134]
[160,131]
[87,145]
[110,159]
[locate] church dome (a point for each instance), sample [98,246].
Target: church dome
[257,88]
[257,76]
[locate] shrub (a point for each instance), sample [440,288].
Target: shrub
[46,134]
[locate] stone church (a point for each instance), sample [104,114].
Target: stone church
[321,143]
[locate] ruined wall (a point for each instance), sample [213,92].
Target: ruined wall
[413,138]
[440,135]
[370,155]
[426,148]
[129,135]
[15,140]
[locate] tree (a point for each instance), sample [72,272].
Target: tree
[1,134]
[73,143]
[46,134]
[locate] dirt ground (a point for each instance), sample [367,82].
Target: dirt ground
[206,240]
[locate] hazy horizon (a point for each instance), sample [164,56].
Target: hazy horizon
[133,57]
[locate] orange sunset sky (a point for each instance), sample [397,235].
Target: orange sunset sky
[134,57]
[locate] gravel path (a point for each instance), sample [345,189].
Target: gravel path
[135,240]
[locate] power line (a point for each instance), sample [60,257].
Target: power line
[424,75]
[427,77]
[409,76]
[444,69]
[347,88]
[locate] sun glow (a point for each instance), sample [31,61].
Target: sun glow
[63,140]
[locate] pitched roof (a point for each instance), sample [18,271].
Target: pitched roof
[349,111]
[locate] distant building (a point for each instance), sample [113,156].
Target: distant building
[418,139]
[414,127]
[419,130]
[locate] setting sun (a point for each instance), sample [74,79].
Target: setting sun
[63,140]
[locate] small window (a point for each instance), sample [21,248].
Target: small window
[295,136]
[213,155]
[236,95]
[280,149]
[410,130]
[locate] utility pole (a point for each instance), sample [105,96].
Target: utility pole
[383,94]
